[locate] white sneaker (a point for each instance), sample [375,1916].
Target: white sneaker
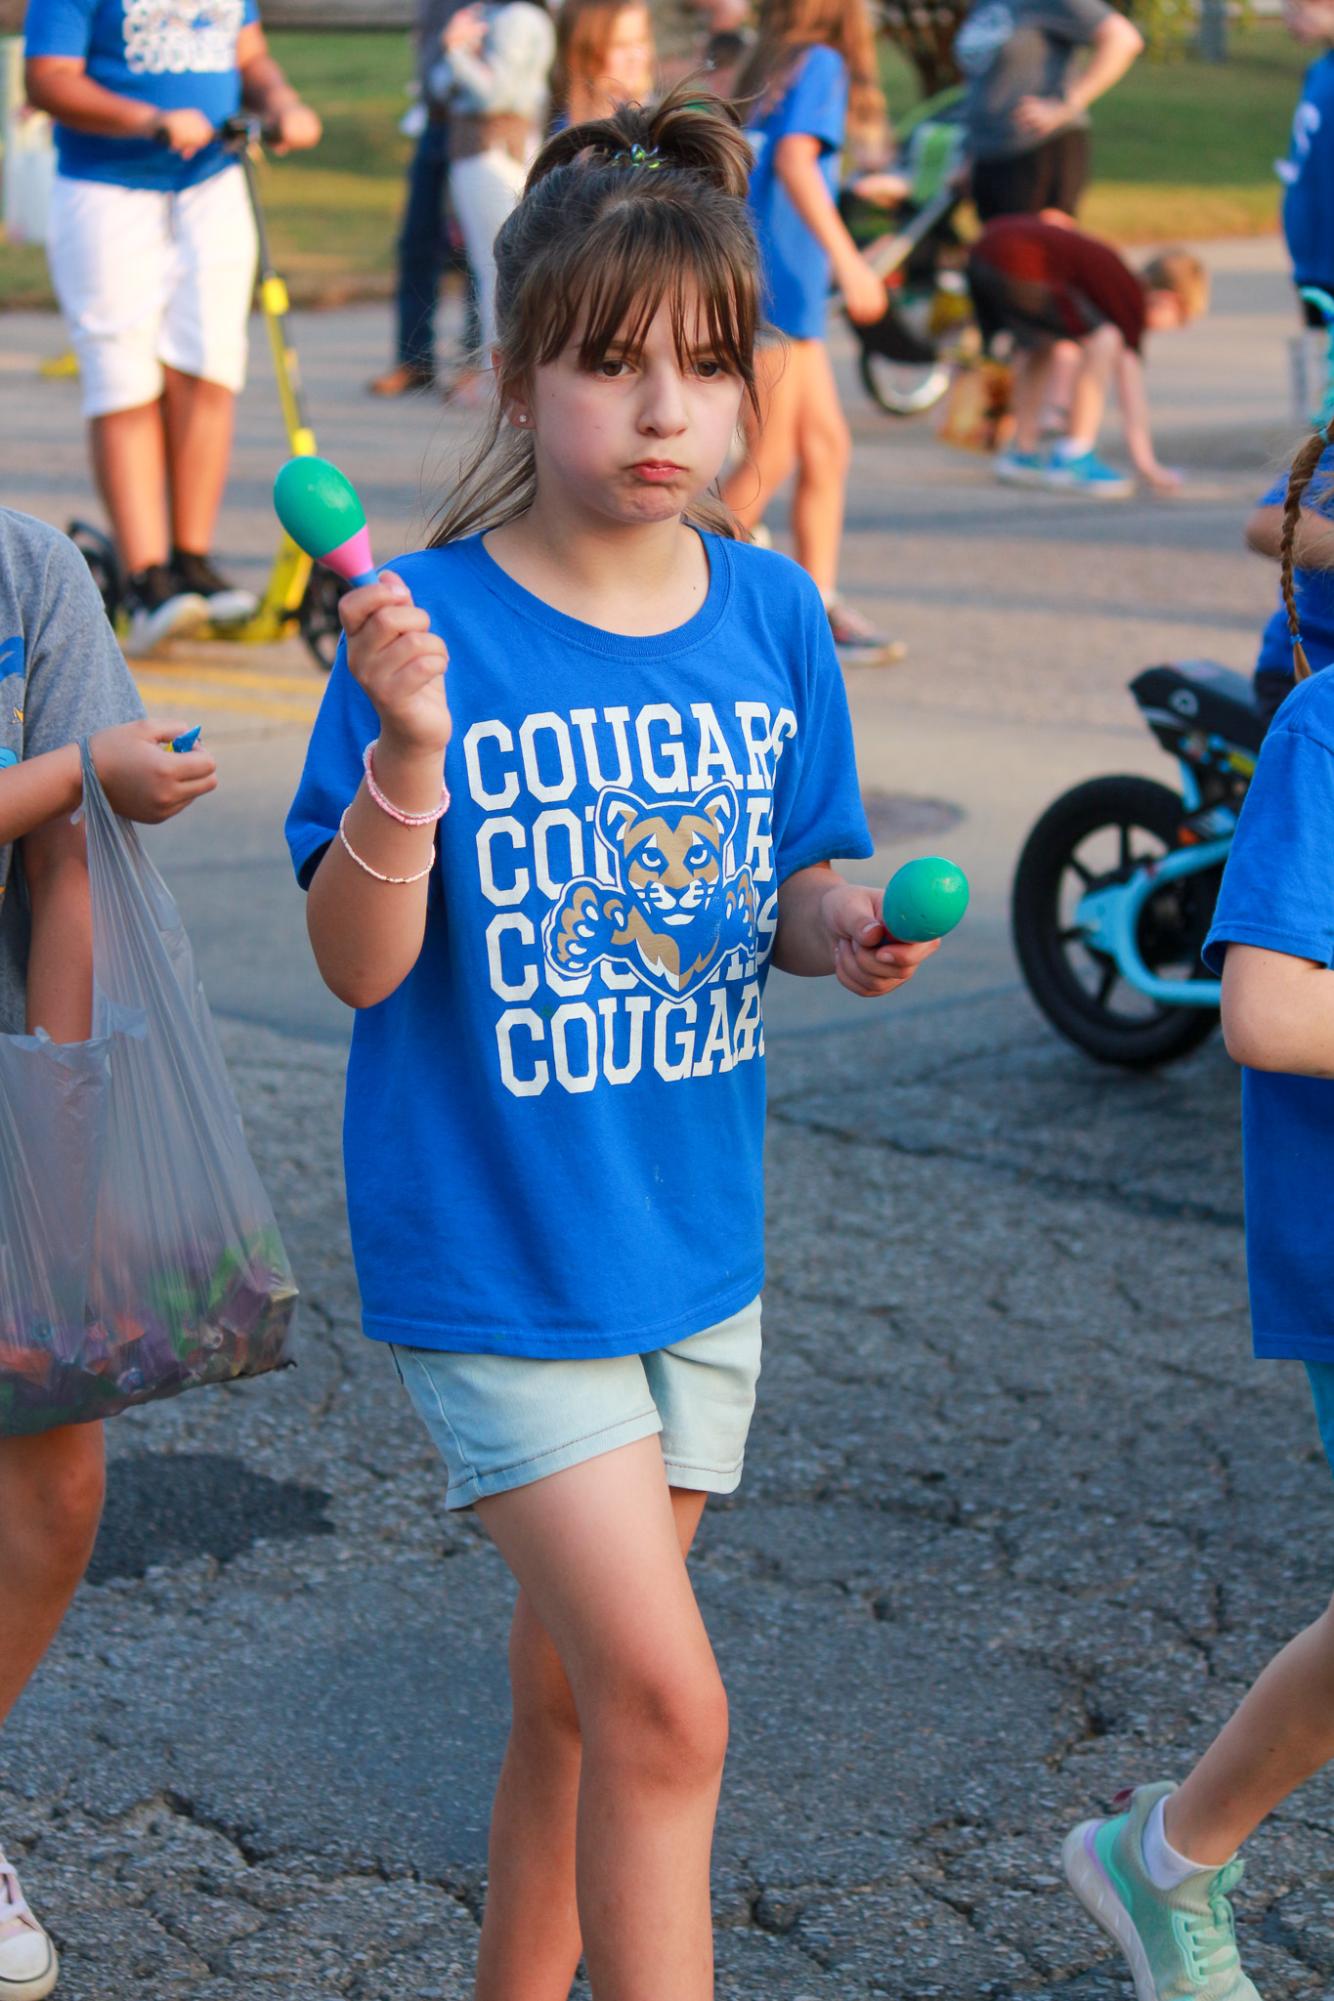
[28,1964]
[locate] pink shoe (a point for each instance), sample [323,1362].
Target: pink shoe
[29,1968]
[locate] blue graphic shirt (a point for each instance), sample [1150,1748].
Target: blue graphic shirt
[1278,893]
[795,267]
[177,54]
[1314,588]
[553,1128]
[1308,179]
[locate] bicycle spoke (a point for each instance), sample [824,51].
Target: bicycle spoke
[1106,983]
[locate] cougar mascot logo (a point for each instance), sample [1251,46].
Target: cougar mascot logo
[674,913]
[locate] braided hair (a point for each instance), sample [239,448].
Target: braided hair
[1300,475]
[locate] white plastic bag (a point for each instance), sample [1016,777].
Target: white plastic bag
[139,1255]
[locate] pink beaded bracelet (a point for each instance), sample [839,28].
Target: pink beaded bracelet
[396,812]
[342,835]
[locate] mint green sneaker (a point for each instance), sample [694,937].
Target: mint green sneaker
[1180,1944]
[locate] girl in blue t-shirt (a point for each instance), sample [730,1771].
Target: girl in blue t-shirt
[810,76]
[1157,1875]
[555,1098]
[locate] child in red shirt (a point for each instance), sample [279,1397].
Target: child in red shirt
[1044,282]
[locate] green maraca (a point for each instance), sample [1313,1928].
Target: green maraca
[924,899]
[319,508]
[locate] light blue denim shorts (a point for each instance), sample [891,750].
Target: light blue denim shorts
[501,1421]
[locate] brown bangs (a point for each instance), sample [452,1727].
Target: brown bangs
[641,256]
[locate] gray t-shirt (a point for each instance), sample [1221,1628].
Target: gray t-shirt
[62,676]
[1010,49]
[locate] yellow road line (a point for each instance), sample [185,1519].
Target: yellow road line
[228,677]
[186,697]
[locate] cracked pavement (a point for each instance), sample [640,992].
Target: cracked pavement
[1019,1522]
[1020,1518]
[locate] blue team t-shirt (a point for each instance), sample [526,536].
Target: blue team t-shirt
[1278,893]
[553,1127]
[1314,589]
[177,54]
[1308,179]
[794,266]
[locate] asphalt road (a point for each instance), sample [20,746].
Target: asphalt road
[1020,1517]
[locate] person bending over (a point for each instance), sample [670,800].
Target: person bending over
[1043,283]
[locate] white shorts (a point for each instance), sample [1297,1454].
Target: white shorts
[146,278]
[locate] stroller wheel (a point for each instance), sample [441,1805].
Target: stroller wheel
[320,625]
[99,552]
[903,388]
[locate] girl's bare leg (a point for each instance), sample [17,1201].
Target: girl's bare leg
[50,1505]
[771,443]
[1280,1736]
[596,1549]
[824,453]
[531,1941]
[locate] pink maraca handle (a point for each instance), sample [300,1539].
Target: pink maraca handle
[353,560]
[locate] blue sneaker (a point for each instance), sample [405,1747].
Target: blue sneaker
[1085,472]
[1021,468]
[1180,1945]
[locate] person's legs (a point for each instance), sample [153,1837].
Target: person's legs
[200,418]
[129,457]
[50,1504]
[771,439]
[1099,351]
[1157,1876]
[423,248]
[824,453]
[1280,1736]
[1032,367]
[531,1941]
[485,188]
[421,251]
[597,1550]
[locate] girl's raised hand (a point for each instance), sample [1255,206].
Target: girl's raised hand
[393,654]
[143,778]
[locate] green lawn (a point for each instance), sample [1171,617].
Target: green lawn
[1180,149]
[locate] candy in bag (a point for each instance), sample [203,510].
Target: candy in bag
[139,1255]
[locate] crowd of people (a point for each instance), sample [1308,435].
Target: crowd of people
[595,741]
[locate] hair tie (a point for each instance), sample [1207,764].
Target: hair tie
[637,156]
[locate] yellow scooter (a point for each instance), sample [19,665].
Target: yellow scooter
[300,596]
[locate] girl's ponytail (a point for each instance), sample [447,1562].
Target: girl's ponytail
[697,135]
[1300,476]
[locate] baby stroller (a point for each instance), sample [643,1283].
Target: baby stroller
[913,245]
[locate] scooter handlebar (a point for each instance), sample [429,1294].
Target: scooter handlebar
[236,135]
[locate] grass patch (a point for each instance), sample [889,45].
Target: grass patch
[1181,149]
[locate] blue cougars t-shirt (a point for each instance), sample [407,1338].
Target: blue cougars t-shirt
[1278,893]
[1308,179]
[1314,590]
[553,1128]
[795,267]
[177,54]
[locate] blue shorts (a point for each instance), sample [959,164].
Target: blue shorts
[501,1421]
[1321,1377]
